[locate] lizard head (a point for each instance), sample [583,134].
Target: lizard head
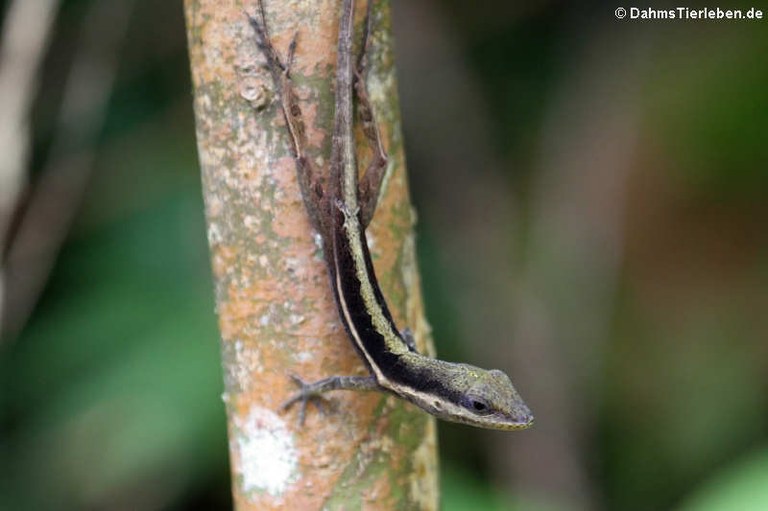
[470,395]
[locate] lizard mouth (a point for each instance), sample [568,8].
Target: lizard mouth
[522,418]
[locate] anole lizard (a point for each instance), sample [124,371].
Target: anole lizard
[341,208]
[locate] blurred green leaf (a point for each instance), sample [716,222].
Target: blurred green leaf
[710,106]
[462,490]
[116,383]
[741,486]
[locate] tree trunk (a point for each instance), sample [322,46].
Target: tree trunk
[276,311]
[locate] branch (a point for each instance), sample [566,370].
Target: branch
[275,307]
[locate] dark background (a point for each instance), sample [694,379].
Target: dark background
[592,198]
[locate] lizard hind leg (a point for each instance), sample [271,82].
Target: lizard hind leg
[309,176]
[369,187]
[264,42]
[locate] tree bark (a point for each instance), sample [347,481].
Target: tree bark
[276,311]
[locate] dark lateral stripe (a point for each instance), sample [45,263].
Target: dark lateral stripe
[424,378]
[373,342]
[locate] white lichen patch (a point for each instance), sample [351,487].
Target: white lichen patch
[296,319]
[247,363]
[266,459]
[214,234]
[318,239]
[251,222]
[303,356]
[423,482]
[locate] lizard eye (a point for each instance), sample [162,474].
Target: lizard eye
[477,405]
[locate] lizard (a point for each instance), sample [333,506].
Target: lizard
[341,207]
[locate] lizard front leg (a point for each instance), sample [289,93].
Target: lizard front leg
[315,391]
